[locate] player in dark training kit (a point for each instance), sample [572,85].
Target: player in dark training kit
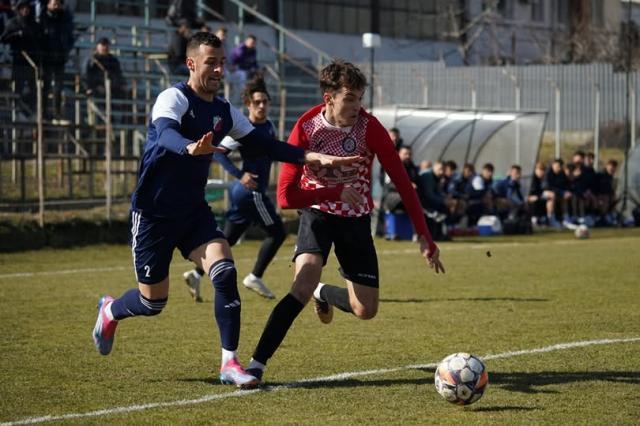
[249,201]
[338,207]
[168,208]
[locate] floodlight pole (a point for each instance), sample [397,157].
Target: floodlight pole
[628,132]
[557,130]
[596,129]
[371,41]
[373,61]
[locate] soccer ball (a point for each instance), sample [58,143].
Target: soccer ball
[582,232]
[461,378]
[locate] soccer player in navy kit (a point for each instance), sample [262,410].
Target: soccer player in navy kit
[249,202]
[168,208]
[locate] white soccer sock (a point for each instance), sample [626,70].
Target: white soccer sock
[251,276]
[316,292]
[195,272]
[228,355]
[256,364]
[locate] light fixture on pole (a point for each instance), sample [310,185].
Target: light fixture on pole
[371,41]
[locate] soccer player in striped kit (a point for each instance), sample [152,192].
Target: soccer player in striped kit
[339,126]
[249,201]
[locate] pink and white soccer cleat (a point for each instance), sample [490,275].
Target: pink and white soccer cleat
[105,329]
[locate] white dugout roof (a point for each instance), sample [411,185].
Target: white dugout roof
[464,136]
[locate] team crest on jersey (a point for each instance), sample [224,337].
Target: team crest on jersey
[348,144]
[217,123]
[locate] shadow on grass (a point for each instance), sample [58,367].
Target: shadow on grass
[497,409]
[533,383]
[468,299]
[529,383]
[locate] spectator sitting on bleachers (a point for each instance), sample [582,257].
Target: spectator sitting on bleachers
[94,76]
[510,202]
[6,13]
[177,54]
[242,65]
[57,24]
[23,33]
[392,202]
[538,206]
[424,166]
[605,194]
[557,193]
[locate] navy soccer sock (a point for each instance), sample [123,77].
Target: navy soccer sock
[227,302]
[282,316]
[336,296]
[132,303]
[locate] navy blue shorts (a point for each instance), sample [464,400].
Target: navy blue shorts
[153,240]
[251,207]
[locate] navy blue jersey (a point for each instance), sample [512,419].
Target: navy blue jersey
[254,159]
[171,182]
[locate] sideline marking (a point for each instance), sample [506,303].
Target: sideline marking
[332,378]
[413,250]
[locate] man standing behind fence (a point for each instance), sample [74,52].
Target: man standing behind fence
[57,24]
[24,34]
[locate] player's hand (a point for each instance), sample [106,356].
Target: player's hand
[350,195]
[329,160]
[248,180]
[432,256]
[203,146]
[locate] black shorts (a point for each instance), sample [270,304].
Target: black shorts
[351,237]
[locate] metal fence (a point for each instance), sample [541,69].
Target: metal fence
[575,88]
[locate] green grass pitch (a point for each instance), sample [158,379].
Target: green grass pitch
[531,292]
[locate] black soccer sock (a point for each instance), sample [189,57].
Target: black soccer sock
[269,248]
[200,271]
[336,296]
[233,231]
[282,316]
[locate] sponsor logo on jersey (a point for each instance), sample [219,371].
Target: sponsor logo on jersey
[217,123]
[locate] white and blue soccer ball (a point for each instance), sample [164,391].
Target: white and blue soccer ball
[461,378]
[582,232]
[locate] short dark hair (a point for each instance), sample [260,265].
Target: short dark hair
[257,85]
[614,163]
[559,161]
[202,37]
[339,74]
[451,164]
[516,167]
[488,166]
[104,41]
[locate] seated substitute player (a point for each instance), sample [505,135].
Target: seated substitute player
[339,126]
[168,208]
[249,201]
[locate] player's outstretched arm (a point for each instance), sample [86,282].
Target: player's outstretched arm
[431,253]
[288,153]
[311,157]
[203,146]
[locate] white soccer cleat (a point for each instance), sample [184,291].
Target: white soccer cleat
[192,279]
[256,284]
